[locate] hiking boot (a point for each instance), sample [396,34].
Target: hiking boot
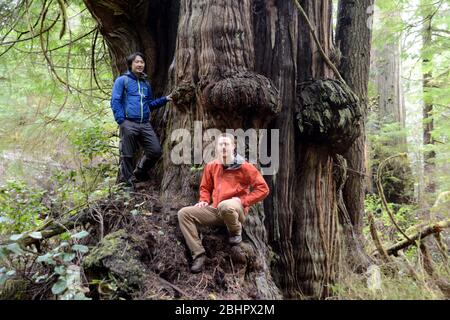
[235,239]
[141,175]
[127,187]
[197,265]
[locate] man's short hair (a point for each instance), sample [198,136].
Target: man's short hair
[226,135]
[133,56]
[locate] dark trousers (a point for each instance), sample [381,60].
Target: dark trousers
[132,135]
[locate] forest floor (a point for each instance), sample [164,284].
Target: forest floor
[136,251]
[145,257]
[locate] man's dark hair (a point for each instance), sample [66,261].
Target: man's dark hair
[133,56]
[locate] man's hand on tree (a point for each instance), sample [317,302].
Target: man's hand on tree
[201,204]
[169,97]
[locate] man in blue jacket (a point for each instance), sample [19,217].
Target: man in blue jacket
[131,102]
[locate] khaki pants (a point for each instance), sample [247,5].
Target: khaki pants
[228,212]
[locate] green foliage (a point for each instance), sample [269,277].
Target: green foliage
[397,179]
[93,141]
[403,215]
[44,109]
[59,266]
[352,286]
[20,207]
[405,23]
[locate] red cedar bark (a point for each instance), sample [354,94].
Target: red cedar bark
[353,38]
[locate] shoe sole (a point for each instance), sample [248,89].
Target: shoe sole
[197,271]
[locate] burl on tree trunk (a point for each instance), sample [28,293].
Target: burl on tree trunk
[327,117]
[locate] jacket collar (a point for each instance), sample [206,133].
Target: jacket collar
[238,161]
[133,76]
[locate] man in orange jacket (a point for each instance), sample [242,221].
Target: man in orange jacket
[227,180]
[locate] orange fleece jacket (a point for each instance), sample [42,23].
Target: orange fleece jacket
[222,184]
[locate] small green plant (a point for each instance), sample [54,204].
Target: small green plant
[20,207]
[68,285]
[58,263]
[93,141]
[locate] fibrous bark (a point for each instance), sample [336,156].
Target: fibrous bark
[353,38]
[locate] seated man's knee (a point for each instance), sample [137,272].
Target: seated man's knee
[182,214]
[227,205]
[226,209]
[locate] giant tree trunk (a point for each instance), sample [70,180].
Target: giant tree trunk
[353,40]
[254,64]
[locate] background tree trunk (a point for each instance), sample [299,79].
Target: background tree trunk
[389,87]
[427,61]
[229,57]
[397,180]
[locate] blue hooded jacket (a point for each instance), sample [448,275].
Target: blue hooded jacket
[132,99]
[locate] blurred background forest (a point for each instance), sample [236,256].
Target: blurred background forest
[59,142]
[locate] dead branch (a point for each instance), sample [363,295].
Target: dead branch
[442,248]
[376,239]
[167,283]
[413,274]
[53,228]
[441,283]
[432,229]
[381,192]
[316,40]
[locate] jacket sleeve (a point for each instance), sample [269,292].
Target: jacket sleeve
[154,104]
[259,185]
[116,100]
[206,186]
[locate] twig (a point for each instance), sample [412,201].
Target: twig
[93,68]
[173,286]
[442,248]
[381,192]
[376,239]
[62,7]
[316,40]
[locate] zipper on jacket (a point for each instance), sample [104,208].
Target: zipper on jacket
[219,187]
[140,95]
